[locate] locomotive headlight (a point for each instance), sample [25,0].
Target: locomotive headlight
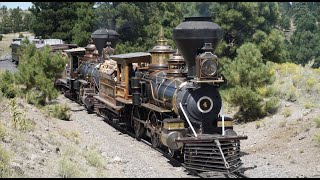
[209,67]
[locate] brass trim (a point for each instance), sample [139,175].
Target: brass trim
[176,125]
[226,124]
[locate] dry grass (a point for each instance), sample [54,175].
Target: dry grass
[317,121]
[297,83]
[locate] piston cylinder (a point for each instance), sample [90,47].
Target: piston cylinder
[172,130]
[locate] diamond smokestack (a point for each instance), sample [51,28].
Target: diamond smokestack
[192,34]
[101,36]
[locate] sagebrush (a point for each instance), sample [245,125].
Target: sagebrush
[60,111]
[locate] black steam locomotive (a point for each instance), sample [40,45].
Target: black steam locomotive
[172,99]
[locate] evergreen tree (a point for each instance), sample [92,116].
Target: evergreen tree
[303,45]
[83,28]
[54,19]
[138,23]
[16,17]
[28,19]
[37,71]
[246,74]
[6,24]
[241,20]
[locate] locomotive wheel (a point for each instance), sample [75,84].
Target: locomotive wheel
[137,126]
[155,140]
[138,129]
[154,136]
[172,153]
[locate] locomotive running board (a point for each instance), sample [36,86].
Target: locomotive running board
[209,138]
[155,108]
[108,103]
[61,82]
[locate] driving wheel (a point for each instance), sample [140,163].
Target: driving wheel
[137,126]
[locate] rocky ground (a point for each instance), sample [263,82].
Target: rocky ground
[6,64]
[280,146]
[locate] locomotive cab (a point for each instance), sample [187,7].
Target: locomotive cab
[125,71]
[73,63]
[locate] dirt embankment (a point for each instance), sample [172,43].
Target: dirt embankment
[86,146]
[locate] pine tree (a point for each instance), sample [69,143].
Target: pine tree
[54,19]
[37,71]
[83,27]
[16,17]
[245,75]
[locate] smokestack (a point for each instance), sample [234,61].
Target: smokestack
[101,36]
[192,34]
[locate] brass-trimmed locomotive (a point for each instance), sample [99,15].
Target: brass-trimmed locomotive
[167,97]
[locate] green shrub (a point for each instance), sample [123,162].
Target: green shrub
[309,105]
[272,90]
[248,77]
[35,97]
[258,124]
[317,121]
[4,163]
[311,82]
[292,94]
[249,101]
[272,105]
[67,168]
[7,85]
[317,138]
[59,111]
[21,35]
[297,78]
[19,120]
[2,131]
[94,158]
[286,112]
[1,96]
[1,36]
[74,136]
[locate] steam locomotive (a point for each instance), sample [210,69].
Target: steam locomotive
[168,97]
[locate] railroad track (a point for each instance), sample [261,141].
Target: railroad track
[175,161]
